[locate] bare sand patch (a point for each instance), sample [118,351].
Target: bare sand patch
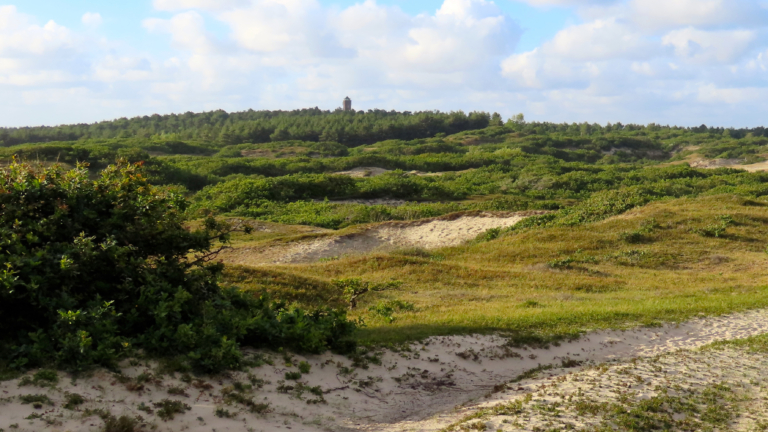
[371,202]
[424,388]
[729,163]
[426,233]
[361,172]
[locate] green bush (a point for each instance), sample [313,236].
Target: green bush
[92,270]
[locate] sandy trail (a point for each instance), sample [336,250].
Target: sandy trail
[412,390]
[713,389]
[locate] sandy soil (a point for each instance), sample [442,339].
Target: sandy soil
[424,388]
[374,201]
[428,234]
[695,389]
[364,172]
[444,231]
[360,172]
[729,163]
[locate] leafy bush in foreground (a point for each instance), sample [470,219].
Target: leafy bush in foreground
[92,269]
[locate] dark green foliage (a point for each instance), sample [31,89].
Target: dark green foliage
[223,413]
[641,234]
[167,408]
[73,400]
[120,424]
[304,367]
[716,229]
[36,400]
[386,309]
[293,375]
[92,269]
[42,378]
[349,128]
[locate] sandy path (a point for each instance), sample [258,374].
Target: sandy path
[714,389]
[412,390]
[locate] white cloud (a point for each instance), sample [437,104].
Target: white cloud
[598,40]
[567,2]
[92,19]
[21,37]
[665,14]
[699,46]
[187,31]
[712,94]
[215,5]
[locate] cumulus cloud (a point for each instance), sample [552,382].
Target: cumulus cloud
[92,19]
[666,14]
[215,5]
[568,2]
[187,31]
[21,37]
[701,46]
[599,40]
[669,61]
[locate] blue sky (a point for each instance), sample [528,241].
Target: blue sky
[682,62]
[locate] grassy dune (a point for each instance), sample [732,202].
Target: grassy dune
[668,261]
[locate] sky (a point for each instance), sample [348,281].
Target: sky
[677,62]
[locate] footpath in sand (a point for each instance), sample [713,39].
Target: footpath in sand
[433,233]
[420,388]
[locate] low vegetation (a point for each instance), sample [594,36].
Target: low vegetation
[552,282]
[101,262]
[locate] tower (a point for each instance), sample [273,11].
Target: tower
[347,104]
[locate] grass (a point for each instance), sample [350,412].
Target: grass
[41,378]
[754,344]
[600,280]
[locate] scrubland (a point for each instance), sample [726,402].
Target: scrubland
[298,233]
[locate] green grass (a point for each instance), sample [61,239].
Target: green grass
[674,274]
[754,344]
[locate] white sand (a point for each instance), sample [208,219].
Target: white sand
[409,391]
[551,401]
[729,163]
[428,234]
[361,172]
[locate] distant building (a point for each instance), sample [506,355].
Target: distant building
[347,104]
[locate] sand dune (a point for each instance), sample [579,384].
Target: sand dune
[428,234]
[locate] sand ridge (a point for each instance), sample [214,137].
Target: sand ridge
[411,390]
[433,233]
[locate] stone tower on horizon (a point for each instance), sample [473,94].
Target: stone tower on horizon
[347,104]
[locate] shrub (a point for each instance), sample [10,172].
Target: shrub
[74,400]
[120,424]
[716,229]
[167,408]
[304,367]
[92,269]
[385,309]
[293,376]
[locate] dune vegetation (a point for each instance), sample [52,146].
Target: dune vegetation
[627,231]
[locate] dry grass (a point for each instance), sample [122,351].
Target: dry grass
[580,278]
